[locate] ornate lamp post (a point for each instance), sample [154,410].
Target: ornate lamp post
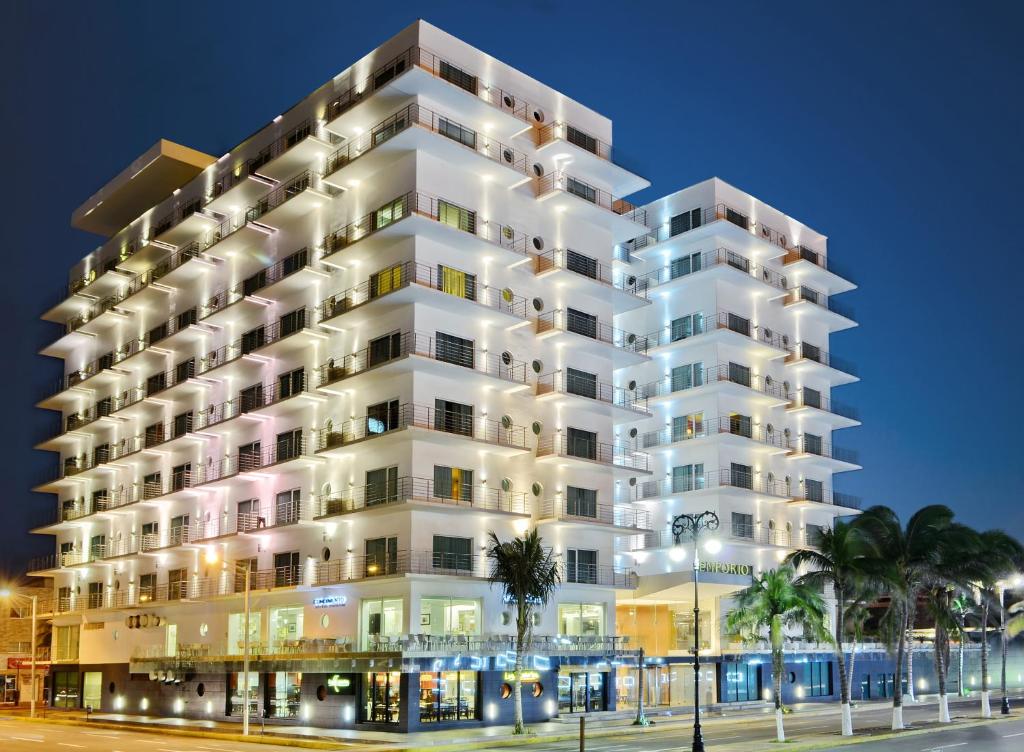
[1004,707]
[692,526]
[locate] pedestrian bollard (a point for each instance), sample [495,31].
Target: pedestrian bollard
[583,734]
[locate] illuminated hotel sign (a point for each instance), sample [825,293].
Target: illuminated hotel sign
[330,601]
[338,683]
[719,567]
[528,677]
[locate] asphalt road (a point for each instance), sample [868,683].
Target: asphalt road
[999,737]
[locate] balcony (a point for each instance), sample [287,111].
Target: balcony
[400,564]
[603,576]
[585,334]
[409,130]
[810,496]
[577,271]
[735,429]
[813,450]
[422,493]
[416,350]
[81,292]
[814,268]
[827,410]
[806,358]
[596,516]
[415,282]
[721,263]
[181,224]
[591,154]
[559,448]
[620,404]
[806,301]
[729,378]
[565,192]
[291,152]
[288,202]
[726,328]
[743,535]
[762,485]
[425,423]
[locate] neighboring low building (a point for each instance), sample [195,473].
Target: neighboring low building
[16,640]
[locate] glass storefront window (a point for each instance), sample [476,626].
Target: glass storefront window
[383,696]
[581,619]
[286,626]
[682,626]
[65,687]
[381,621]
[739,682]
[581,692]
[92,692]
[448,616]
[448,696]
[285,693]
[237,681]
[236,631]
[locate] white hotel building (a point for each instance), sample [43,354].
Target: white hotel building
[407,312]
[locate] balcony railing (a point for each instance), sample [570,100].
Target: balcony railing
[417,115]
[560,181]
[595,451]
[725,372]
[762,483]
[586,266]
[800,253]
[282,145]
[405,489]
[563,382]
[399,563]
[810,295]
[586,326]
[803,398]
[176,216]
[409,415]
[608,514]
[736,533]
[807,445]
[694,263]
[280,195]
[565,132]
[822,495]
[733,425]
[590,574]
[704,322]
[808,352]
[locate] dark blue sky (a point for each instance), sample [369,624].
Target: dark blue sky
[894,128]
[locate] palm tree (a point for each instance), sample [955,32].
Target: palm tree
[906,563]
[839,560]
[962,607]
[528,575]
[857,615]
[774,602]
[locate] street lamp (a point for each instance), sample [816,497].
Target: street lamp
[8,593]
[692,526]
[1004,707]
[211,558]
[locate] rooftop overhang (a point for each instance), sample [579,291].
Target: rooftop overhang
[143,184]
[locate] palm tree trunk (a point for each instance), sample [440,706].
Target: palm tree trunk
[850,674]
[910,668]
[960,660]
[844,687]
[897,689]
[517,685]
[940,673]
[778,666]
[986,707]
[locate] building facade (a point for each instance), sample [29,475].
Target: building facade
[313,375]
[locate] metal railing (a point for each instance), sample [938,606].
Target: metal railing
[595,451]
[282,145]
[405,489]
[762,483]
[608,514]
[281,195]
[176,216]
[735,425]
[694,263]
[705,322]
[564,382]
[806,294]
[805,351]
[819,448]
[718,212]
[397,563]
[823,495]
[586,266]
[560,181]
[424,417]
[417,115]
[563,131]
[591,574]
[803,398]
[585,326]
[734,374]
[736,532]
[801,253]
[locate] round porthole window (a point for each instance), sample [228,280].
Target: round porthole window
[506,485]
[632,433]
[507,232]
[509,101]
[538,304]
[538,689]
[537,366]
[325,555]
[506,358]
[507,155]
[506,691]
[538,242]
[537,427]
[325,621]
[538,169]
[507,295]
[538,115]
[321,693]
[112,688]
[204,629]
[506,422]
[537,488]
[632,481]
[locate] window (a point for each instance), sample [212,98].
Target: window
[381,556]
[386,131]
[814,490]
[742,525]
[453,417]
[287,507]
[182,424]
[250,398]
[741,476]
[256,282]
[577,262]
[814,533]
[688,264]
[381,486]
[581,383]
[100,454]
[285,624]
[687,376]
[811,397]
[153,435]
[382,417]
[65,643]
[250,456]
[293,321]
[289,445]
[385,281]
[739,682]
[294,262]
[291,383]
[285,688]
[456,350]
[147,587]
[286,569]
[581,323]
[685,222]
[456,282]
[237,689]
[179,530]
[387,73]
[813,444]
[687,326]
[453,483]
[580,139]
[738,324]
[581,619]
[156,382]
[740,425]
[390,212]
[580,502]
[157,333]
[811,352]
[384,349]
[152,486]
[449,616]
[580,443]
[457,76]
[236,630]
[580,189]
[580,565]
[247,516]
[181,476]
[817,678]
[177,581]
[254,339]
[456,132]
[383,696]
[739,374]
[381,619]
[95,595]
[65,683]
[688,426]
[688,477]
[449,696]
[737,261]
[740,220]
[456,216]
[453,553]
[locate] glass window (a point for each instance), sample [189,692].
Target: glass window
[383,349]
[581,443]
[579,322]
[739,682]
[684,265]
[688,426]
[685,222]
[65,688]
[237,692]
[449,616]
[688,477]
[688,376]
[65,645]
[381,621]
[742,525]
[285,693]
[581,619]
[386,281]
[382,417]
[453,417]
[383,696]
[580,502]
[456,282]
[381,486]
[456,350]
[456,216]
[581,383]
[453,553]
[236,631]
[577,262]
[390,212]
[817,678]
[453,483]
[285,626]
[381,556]
[287,506]
[687,326]
[456,132]
[448,696]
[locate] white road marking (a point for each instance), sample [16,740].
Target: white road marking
[69,744]
[944,746]
[1007,736]
[26,739]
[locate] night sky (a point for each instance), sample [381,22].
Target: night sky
[894,128]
